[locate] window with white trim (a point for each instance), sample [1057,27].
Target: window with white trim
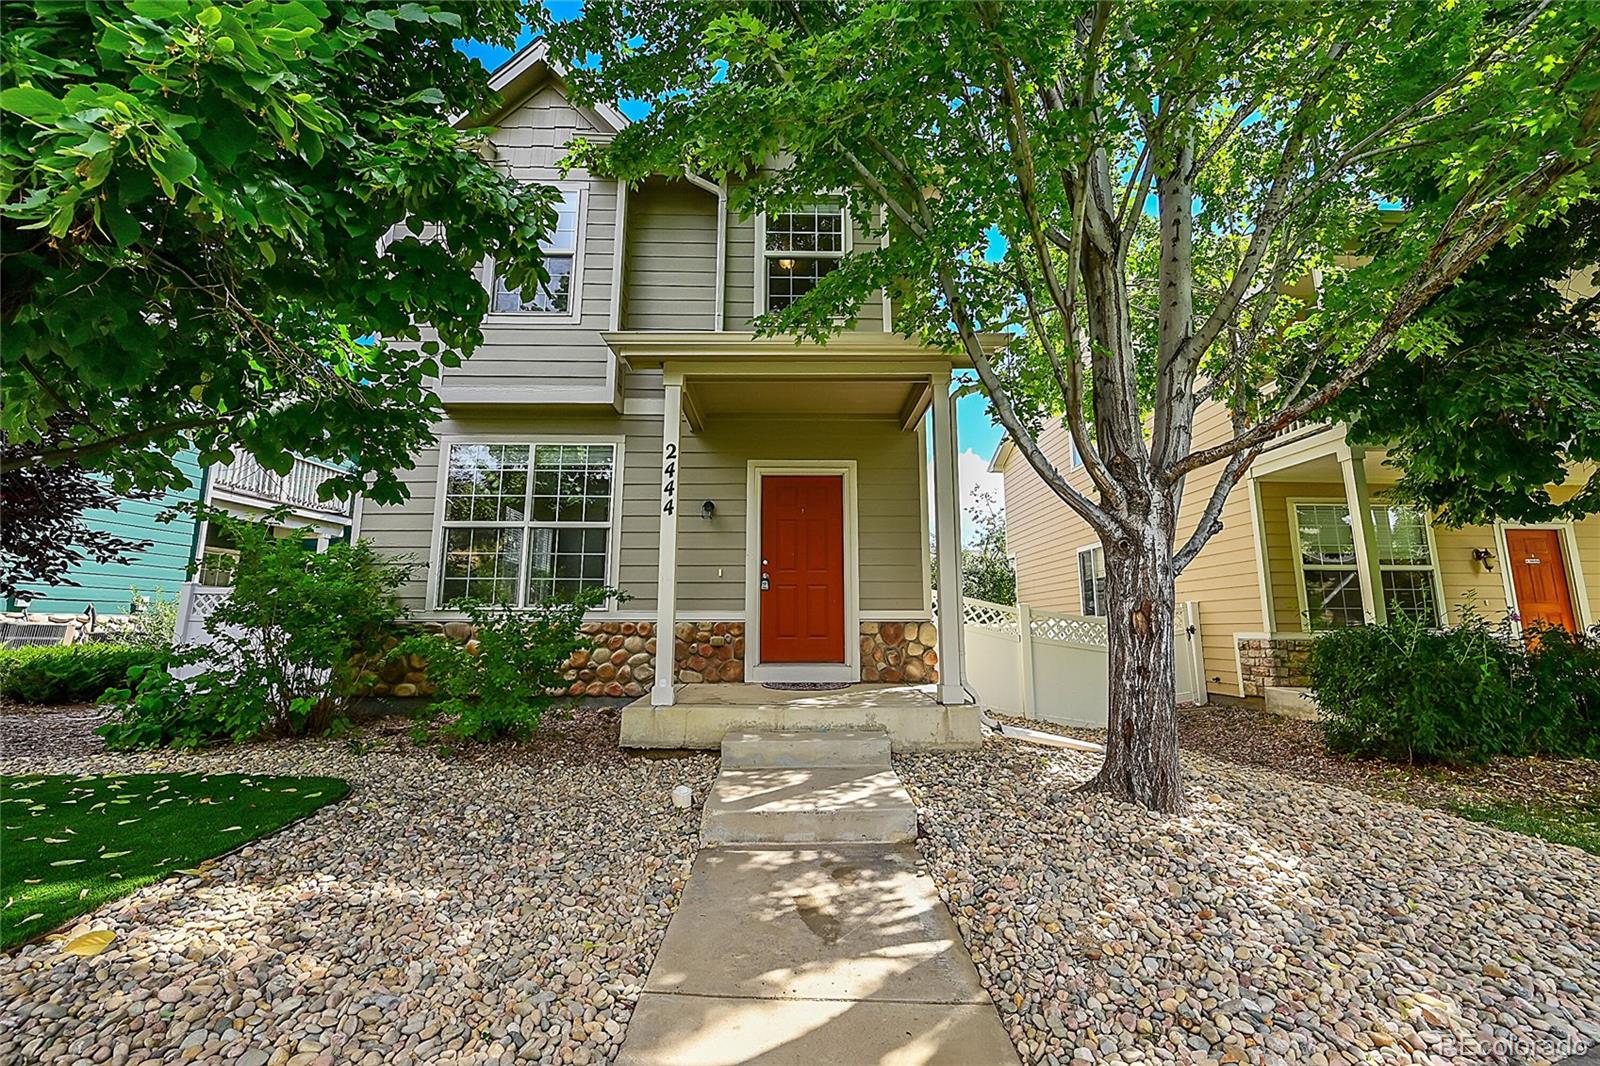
[559,295]
[526,524]
[803,245]
[1092,581]
[1330,580]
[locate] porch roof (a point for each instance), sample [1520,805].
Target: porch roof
[848,354]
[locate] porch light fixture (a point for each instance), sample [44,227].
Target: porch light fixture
[708,510]
[1483,557]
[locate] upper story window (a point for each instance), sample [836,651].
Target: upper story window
[559,297]
[801,246]
[1092,581]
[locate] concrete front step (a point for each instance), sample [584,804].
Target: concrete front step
[808,805]
[801,747]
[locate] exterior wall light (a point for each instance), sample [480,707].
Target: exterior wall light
[708,510]
[1483,557]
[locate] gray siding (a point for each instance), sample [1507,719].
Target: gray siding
[521,352]
[672,257]
[711,560]
[889,469]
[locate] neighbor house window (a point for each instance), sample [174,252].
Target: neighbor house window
[802,245]
[526,524]
[1092,581]
[558,295]
[1330,579]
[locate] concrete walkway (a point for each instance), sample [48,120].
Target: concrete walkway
[812,955]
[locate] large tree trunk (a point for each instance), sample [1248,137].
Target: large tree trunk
[1141,762]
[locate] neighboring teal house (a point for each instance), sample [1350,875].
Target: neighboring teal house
[156,572]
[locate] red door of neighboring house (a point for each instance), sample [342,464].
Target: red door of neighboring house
[1539,577]
[802,569]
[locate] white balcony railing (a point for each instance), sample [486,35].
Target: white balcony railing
[298,488]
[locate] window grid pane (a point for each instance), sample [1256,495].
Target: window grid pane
[486,483]
[1411,593]
[1325,534]
[572,483]
[1333,599]
[790,279]
[814,229]
[1401,535]
[481,563]
[561,562]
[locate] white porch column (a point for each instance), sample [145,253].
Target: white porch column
[1366,542]
[661,693]
[947,518]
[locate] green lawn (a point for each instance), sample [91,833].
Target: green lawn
[72,843]
[1578,826]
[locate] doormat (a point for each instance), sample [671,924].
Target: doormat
[806,686]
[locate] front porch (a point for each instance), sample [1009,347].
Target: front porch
[795,529]
[700,715]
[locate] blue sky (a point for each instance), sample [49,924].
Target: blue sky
[977,434]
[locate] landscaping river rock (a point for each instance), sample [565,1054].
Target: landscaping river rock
[500,904]
[1277,921]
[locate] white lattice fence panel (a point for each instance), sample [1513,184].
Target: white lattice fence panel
[996,616]
[1070,629]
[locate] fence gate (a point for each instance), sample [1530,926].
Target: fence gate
[1053,666]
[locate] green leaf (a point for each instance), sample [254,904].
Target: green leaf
[29,102]
[379,20]
[176,166]
[209,17]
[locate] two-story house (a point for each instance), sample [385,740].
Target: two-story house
[1309,542]
[761,504]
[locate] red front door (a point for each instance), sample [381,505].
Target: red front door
[1539,577]
[802,569]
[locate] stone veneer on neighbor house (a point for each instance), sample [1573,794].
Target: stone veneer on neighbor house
[620,657]
[1273,662]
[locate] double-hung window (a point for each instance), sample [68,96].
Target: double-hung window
[557,297]
[802,245]
[526,524]
[1330,580]
[1092,581]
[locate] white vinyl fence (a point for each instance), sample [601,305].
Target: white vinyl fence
[1051,666]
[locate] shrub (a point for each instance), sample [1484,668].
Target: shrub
[285,651]
[1409,693]
[67,673]
[1563,714]
[151,627]
[502,681]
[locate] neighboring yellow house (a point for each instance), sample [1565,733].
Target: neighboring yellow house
[1290,562]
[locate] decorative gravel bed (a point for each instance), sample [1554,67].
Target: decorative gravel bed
[502,904]
[1279,920]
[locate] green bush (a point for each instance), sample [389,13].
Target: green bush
[67,673]
[501,682]
[286,651]
[1408,693]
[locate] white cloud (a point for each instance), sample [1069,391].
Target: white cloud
[974,479]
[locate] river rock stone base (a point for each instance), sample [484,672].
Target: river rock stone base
[899,652]
[708,652]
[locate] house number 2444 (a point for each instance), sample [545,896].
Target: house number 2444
[669,479]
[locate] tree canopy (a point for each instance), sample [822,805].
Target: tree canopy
[1161,176]
[200,240]
[1510,403]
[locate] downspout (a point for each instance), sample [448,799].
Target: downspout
[199,523]
[719,189]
